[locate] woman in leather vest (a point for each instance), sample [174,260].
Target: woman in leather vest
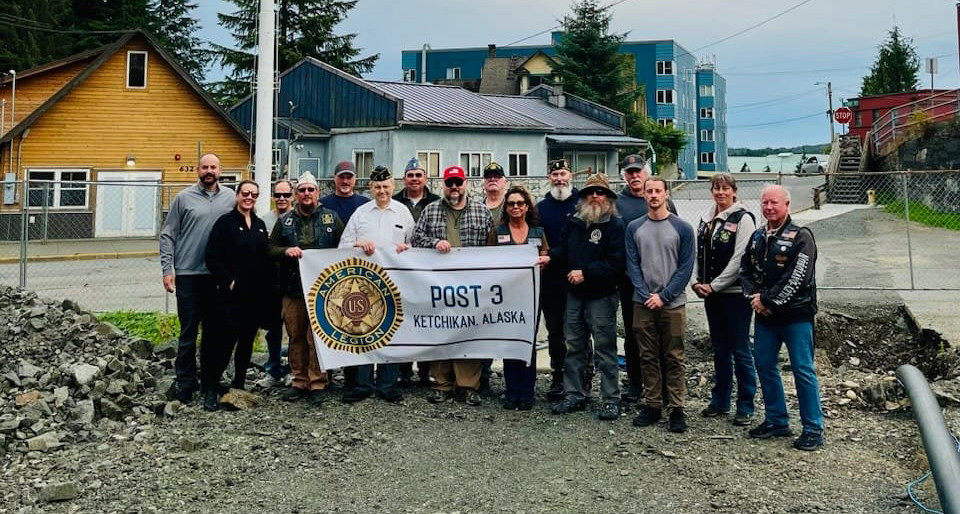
[722,238]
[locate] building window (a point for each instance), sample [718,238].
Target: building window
[363,161]
[229,178]
[706,158]
[665,96]
[474,162]
[706,135]
[453,73]
[409,75]
[706,90]
[858,119]
[136,70]
[308,164]
[517,164]
[706,112]
[666,122]
[590,162]
[65,188]
[430,160]
[664,67]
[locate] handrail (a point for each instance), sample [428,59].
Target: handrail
[885,127]
[937,441]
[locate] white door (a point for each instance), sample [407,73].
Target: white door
[127,203]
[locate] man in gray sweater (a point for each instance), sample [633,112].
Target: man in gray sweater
[661,252]
[183,241]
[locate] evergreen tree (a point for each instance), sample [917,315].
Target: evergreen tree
[29,32]
[172,24]
[305,29]
[896,68]
[104,20]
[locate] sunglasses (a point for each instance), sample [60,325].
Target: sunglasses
[249,194]
[521,203]
[282,195]
[596,192]
[453,182]
[306,189]
[414,175]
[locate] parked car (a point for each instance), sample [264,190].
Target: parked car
[813,165]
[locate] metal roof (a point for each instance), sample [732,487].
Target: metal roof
[563,120]
[430,104]
[597,141]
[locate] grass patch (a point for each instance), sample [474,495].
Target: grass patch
[156,327]
[920,213]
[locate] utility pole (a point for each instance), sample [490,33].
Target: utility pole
[263,146]
[830,108]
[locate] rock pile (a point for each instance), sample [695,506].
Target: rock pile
[66,377]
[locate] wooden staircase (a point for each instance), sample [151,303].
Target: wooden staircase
[846,184]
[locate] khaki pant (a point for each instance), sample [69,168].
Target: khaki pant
[660,340]
[301,352]
[464,373]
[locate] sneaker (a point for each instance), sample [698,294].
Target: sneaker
[525,404]
[318,396]
[268,382]
[766,430]
[742,419]
[648,416]
[472,398]
[355,395]
[713,412]
[293,394]
[438,396]
[211,401]
[678,421]
[808,441]
[609,412]
[568,405]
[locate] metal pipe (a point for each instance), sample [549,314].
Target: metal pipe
[263,134]
[13,107]
[938,443]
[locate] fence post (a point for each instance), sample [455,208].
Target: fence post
[46,210]
[906,210]
[24,235]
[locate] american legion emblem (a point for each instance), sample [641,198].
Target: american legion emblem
[354,306]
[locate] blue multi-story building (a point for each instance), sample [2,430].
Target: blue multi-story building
[669,74]
[711,119]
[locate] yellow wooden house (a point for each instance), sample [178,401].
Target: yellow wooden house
[126,114]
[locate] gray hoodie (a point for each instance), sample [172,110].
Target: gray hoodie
[183,238]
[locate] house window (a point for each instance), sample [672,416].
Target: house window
[409,75]
[136,70]
[229,178]
[706,135]
[590,162]
[474,162]
[453,73]
[664,96]
[666,122]
[706,90]
[706,157]
[308,164]
[706,112]
[664,67]
[517,164]
[363,161]
[430,160]
[65,188]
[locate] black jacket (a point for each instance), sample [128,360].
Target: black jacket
[321,229]
[598,250]
[237,254]
[782,268]
[416,210]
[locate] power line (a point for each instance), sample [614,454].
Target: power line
[773,100]
[795,72]
[751,27]
[618,2]
[778,122]
[18,24]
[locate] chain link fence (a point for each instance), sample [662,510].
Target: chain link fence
[96,242]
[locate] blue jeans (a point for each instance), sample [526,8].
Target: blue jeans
[799,340]
[521,379]
[386,382]
[729,318]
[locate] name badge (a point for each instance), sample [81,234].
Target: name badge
[503,238]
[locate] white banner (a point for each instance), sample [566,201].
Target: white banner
[421,305]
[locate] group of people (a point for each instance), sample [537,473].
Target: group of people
[599,251]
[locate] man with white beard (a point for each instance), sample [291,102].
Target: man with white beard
[591,255]
[555,209]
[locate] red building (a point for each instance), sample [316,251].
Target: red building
[868,109]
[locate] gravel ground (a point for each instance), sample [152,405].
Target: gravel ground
[421,458]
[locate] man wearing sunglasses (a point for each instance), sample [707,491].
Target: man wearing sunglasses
[415,193]
[308,226]
[283,200]
[455,221]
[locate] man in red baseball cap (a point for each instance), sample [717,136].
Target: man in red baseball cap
[455,221]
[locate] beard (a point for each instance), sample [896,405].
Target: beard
[453,198]
[561,193]
[591,213]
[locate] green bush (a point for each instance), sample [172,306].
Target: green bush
[156,327]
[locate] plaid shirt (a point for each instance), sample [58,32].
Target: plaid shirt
[475,225]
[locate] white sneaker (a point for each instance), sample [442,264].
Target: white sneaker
[267,382]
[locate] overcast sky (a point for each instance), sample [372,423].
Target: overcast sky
[819,41]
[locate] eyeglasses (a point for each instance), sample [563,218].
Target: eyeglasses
[282,195]
[453,182]
[249,194]
[414,175]
[521,203]
[306,189]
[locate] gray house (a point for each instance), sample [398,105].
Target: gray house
[327,116]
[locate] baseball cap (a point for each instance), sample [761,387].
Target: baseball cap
[493,170]
[633,161]
[454,172]
[344,167]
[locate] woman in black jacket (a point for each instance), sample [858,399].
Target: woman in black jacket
[237,258]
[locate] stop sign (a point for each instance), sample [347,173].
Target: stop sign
[843,115]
